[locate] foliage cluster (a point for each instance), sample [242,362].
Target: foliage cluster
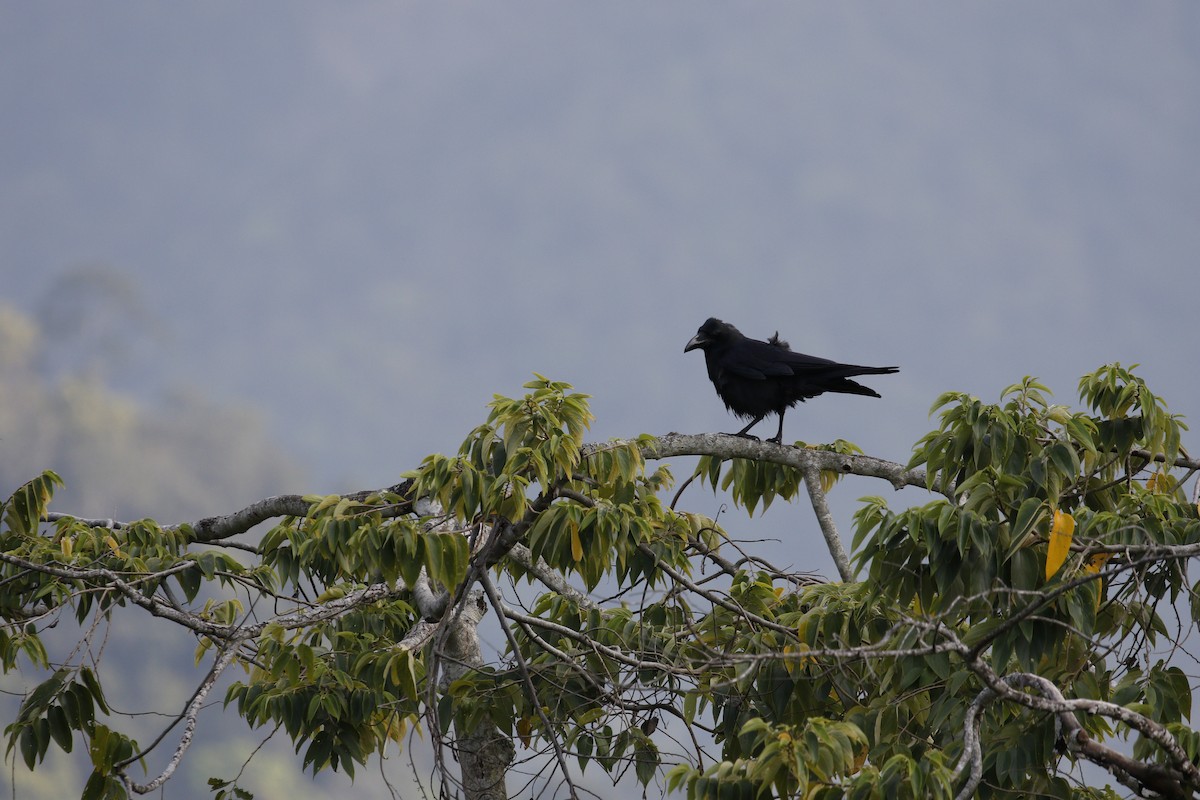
[1052,557]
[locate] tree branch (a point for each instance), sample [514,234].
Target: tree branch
[189,727]
[723,445]
[714,597]
[1172,782]
[583,640]
[211,529]
[550,579]
[812,482]
[108,578]
[1180,461]
[720,445]
[972,754]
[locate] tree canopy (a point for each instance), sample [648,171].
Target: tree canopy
[1029,618]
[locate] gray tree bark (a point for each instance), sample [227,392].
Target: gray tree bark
[484,754]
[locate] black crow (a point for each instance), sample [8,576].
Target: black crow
[756,378]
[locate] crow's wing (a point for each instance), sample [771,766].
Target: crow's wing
[755,360]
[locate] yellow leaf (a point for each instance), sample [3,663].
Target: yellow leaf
[326,502]
[1096,563]
[790,664]
[576,545]
[1060,542]
[397,726]
[1159,483]
[332,593]
[112,545]
[524,730]
[860,758]
[67,546]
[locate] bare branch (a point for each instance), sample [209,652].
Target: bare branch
[812,482]
[330,610]
[972,754]
[211,529]
[1180,461]
[585,641]
[189,727]
[429,602]
[723,445]
[112,524]
[714,597]
[549,578]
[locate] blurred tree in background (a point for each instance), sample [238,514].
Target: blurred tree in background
[120,456]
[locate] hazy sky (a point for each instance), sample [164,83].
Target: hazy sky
[363,218]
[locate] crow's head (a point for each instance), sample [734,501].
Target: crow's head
[713,332]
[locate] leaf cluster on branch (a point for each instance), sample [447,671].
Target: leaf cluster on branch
[983,643]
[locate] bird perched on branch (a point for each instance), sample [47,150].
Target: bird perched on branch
[756,378]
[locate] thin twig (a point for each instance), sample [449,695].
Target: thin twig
[189,728]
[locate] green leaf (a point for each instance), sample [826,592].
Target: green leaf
[35,705]
[403,670]
[1028,516]
[101,786]
[189,581]
[646,760]
[433,556]
[981,631]
[1065,459]
[25,509]
[29,746]
[94,688]
[99,749]
[80,698]
[60,728]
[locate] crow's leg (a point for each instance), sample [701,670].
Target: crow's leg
[743,433]
[778,437]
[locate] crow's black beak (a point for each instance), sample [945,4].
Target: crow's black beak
[697,341]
